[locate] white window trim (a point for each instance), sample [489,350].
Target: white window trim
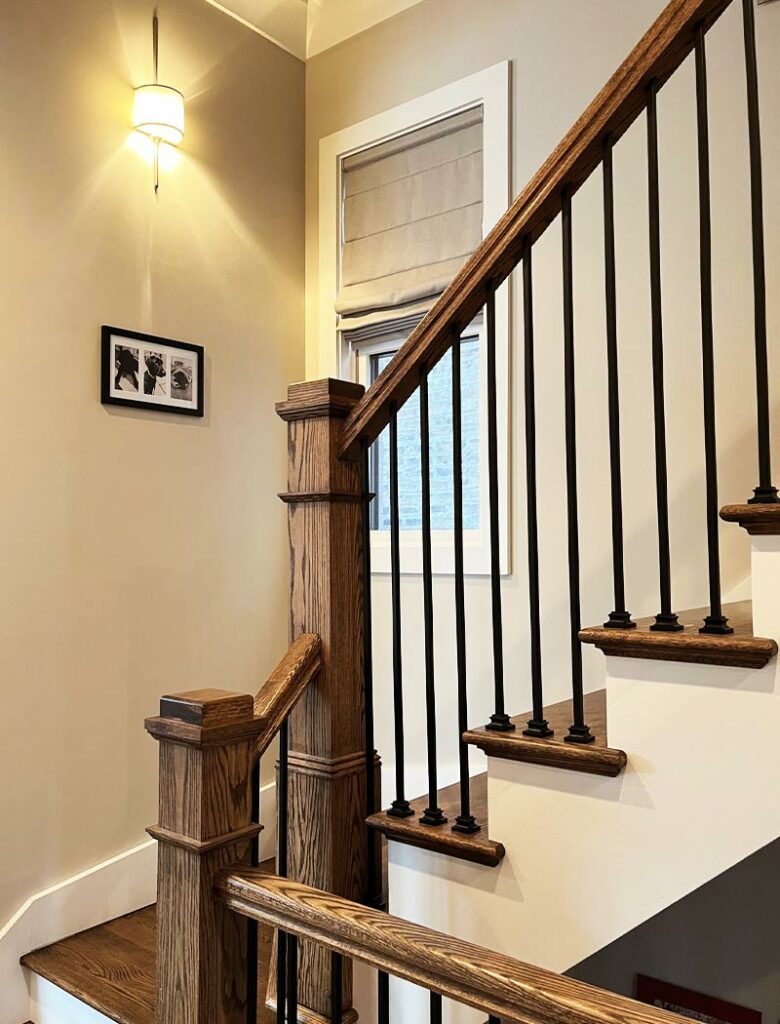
[490,89]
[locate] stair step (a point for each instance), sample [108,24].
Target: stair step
[595,758]
[477,848]
[761,520]
[112,967]
[740,649]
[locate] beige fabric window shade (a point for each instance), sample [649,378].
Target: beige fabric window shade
[412,215]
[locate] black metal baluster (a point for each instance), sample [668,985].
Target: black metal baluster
[765,493]
[336,987]
[433,814]
[466,822]
[666,619]
[499,720]
[400,807]
[436,1007]
[619,618]
[579,731]
[383,997]
[716,622]
[282,818]
[292,979]
[374,895]
[537,725]
[493,1020]
[252,926]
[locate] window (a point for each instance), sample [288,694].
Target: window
[405,198]
[440,413]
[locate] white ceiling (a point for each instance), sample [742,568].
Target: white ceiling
[307,27]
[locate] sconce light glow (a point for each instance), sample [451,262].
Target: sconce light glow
[158,111]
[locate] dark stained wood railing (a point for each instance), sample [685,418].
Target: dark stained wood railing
[496,984]
[657,56]
[210,743]
[286,685]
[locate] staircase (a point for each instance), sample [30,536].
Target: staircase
[620,790]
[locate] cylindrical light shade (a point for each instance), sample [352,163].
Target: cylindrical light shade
[158,111]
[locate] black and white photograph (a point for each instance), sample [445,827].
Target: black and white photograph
[182,373]
[155,374]
[126,366]
[150,372]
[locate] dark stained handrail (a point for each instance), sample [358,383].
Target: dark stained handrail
[657,56]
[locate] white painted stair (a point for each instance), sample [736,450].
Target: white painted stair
[589,858]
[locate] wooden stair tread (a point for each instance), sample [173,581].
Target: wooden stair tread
[112,967]
[740,648]
[758,520]
[477,848]
[595,758]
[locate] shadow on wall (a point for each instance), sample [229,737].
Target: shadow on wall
[721,940]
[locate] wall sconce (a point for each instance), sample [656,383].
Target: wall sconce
[158,110]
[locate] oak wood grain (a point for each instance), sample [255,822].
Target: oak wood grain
[110,968]
[758,520]
[596,758]
[328,840]
[658,54]
[204,826]
[740,649]
[113,967]
[477,848]
[470,974]
[285,686]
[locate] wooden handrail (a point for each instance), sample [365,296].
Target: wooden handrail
[285,686]
[660,52]
[467,973]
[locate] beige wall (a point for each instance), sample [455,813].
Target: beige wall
[562,53]
[140,553]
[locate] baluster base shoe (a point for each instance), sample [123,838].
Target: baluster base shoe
[400,809]
[538,727]
[579,734]
[620,620]
[500,723]
[764,496]
[716,625]
[466,824]
[433,816]
[666,623]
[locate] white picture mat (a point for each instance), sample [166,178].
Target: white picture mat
[169,354]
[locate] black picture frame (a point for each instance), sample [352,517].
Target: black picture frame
[128,388]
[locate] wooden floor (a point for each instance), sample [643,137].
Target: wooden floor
[478,848]
[596,758]
[740,649]
[112,967]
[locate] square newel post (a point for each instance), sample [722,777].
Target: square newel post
[328,838]
[207,740]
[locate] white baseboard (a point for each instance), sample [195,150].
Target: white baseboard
[118,886]
[52,1005]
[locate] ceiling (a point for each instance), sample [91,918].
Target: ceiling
[307,27]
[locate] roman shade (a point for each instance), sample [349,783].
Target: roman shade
[411,217]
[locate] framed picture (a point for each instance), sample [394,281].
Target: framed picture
[151,373]
[692,1004]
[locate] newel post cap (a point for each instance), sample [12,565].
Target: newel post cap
[205,717]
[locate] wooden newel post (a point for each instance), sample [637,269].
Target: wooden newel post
[207,740]
[328,845]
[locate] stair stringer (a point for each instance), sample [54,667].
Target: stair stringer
[590,858]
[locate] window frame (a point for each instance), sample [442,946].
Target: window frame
[476,543]
[330,352]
